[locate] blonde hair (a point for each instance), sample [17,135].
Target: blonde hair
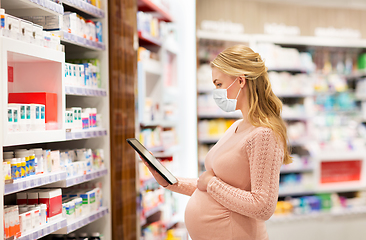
[264,106]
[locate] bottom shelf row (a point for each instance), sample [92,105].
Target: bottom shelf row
[63,226]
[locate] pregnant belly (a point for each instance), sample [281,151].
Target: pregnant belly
[207,219]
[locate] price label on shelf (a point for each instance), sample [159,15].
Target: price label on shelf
[32,183]
[49,229]
[35,235]
[24,185]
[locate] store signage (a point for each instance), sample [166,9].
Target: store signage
[337,32]
[340,171]
[222,26]
[281,29]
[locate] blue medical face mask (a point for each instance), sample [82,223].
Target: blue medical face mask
[220,97]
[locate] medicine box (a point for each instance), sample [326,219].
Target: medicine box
[33,197]
[21,198]
[53,199]
[26,28]
[49,100]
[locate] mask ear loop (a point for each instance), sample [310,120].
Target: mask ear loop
[238,94]
[231,84]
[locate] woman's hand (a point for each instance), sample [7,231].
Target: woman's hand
[156,175]
[204,179]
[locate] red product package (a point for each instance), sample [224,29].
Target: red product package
[45,98]
[53,199]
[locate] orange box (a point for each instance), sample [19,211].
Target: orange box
[45,98]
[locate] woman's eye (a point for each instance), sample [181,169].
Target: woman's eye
[218,85]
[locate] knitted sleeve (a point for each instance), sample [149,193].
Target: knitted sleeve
[265,159]
[184,186]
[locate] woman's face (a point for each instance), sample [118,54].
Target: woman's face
[222,81]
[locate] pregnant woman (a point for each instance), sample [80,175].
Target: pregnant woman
[239,190]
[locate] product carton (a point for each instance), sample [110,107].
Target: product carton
[49,100]
[22,198]
[32,197]
[53,199]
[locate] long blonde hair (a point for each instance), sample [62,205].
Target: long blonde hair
[264,106]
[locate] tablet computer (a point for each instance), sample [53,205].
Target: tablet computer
[140,149]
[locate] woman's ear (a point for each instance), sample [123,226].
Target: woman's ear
[242,81]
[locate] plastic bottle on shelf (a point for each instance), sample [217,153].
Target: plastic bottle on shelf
[14,169]
[83,236]
[32,163]
[2,18]
[95,236]
[71,236]
[23,171]
[38,153]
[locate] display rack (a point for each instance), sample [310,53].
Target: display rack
[151,6]
[45,230]
[85,7]
[69,38]
[83,91]
[80,222]
[145,38]
[32,7]
[33,182]
[75,180]
[34,64]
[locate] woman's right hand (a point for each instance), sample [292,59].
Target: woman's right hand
[156,175]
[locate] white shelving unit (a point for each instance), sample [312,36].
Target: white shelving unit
[45,230]
[75,180]
[82,221]
[32,7]
[33,182]
[85,7]
[40,69]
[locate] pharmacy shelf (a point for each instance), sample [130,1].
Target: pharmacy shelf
[297,170]
[156,149]
[220,115]
[290,95]
[299,142]
[297,192]
[20,51]
[208,140]
[296,117]
[83,91]
[152,66]
[361,210]
[46,229]
[204,90]
[165,124]
[147,182]
[32,8]
[146,38]
[151,6]
[291,70]
[69,38]
[83,221]
[85,134]
[85,8]
[279,39]
[169,224]
[20,138]
[71,181]
[33,181]
[152,211]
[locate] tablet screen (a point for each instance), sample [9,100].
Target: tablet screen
[152,160]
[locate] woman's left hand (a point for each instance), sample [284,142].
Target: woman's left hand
[204,179]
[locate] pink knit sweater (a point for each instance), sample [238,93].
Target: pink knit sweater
[244,192]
